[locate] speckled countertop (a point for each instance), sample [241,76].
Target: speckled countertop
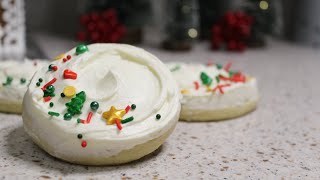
[280,140]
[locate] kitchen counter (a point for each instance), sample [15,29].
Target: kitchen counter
[280,140]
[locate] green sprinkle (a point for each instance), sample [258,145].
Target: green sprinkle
[206,80]
[133,106]
[78,120]
[176,68]
[158,116]
[76,103]
[40,80]
[127,120]
[62,95]
[51,113]
[50,67]
[38,83]
[23,80]
[231,73]
[80,136]
[94,105]
[67,116]
[217,79]
[8,81]
[219,66]
[81,49]
[51,104]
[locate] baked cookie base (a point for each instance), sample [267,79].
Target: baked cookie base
[10,107]
[124,156]
[217,115]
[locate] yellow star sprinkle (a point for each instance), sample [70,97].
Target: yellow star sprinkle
[59,57]
[113,114]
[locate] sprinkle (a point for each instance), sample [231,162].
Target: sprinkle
[54,68]
[231,73]
[68,74]
[51,104]
[184,91]
[35,63]
[51,67]
[58,57]
[228,66]
[23,80]
[208,88]
[49,91]
[218,79]
[51,113]
[89,118]
[117,121]
[210,63]
[40,80]
[79,136]
[67,116]
[196,84]
[176,68]
[62,95]
[75,105]
[219,66]
[49,83]
[69,91]
[81,49]
[133,106]
[158,116]
[206,80]
[8,81]
[84,144]
[94,105]
[128,109]
[220,88]
[129,119]
[46,99]
[78,120]
[38,83]
[66,58]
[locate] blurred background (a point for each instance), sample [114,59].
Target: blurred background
[38,29]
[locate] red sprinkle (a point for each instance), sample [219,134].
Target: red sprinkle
[84,144]
[67,58]
[128,108]
[118,124]
[54,68]
[196,84]
[210,63]
[83,121]
[68,74]
[46,99]
[220,88]
[89,117]
[228,66]
[49,83]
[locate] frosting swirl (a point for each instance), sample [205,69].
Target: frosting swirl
[112,75]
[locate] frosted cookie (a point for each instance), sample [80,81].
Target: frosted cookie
[14,80]
[102,104]
[212,92]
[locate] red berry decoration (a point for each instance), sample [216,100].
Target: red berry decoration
[232,31]
[101,27]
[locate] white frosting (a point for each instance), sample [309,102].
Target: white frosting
[14,92]
[113,75]
[236,94]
